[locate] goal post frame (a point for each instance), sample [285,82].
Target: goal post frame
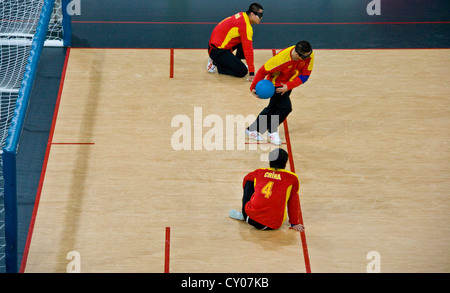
[9,151]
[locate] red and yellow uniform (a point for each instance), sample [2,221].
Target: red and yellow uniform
[281,68]
[232,31]
[275,189]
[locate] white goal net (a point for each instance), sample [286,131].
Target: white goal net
[19,20]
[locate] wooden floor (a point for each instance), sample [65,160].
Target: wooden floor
[370,141]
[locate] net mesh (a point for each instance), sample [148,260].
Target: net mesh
[55,28]
[19,17]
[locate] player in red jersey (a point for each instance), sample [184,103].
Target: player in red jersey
[267,193]
[234,33]
[287,70]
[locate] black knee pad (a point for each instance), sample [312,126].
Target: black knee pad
[243,72]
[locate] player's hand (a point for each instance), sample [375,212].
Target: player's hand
[251,78]
[299,227]
[282,90]
[254,93]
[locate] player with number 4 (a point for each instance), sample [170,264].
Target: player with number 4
[267,192]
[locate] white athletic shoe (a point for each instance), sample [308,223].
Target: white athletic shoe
[210,67]
[236,215]
[254,135]
[275,138]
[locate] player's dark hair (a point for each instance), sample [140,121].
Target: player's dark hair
[254,7]
[278,158]
[303,47]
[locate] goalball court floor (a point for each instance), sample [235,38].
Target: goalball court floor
[368,137]
[101,178]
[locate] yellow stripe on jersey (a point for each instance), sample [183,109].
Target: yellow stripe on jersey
[294,75]
[249,28]
[282,57]
[288,194]
[275,75]
[232,33]
[311,62]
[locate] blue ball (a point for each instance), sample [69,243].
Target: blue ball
[265,89]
